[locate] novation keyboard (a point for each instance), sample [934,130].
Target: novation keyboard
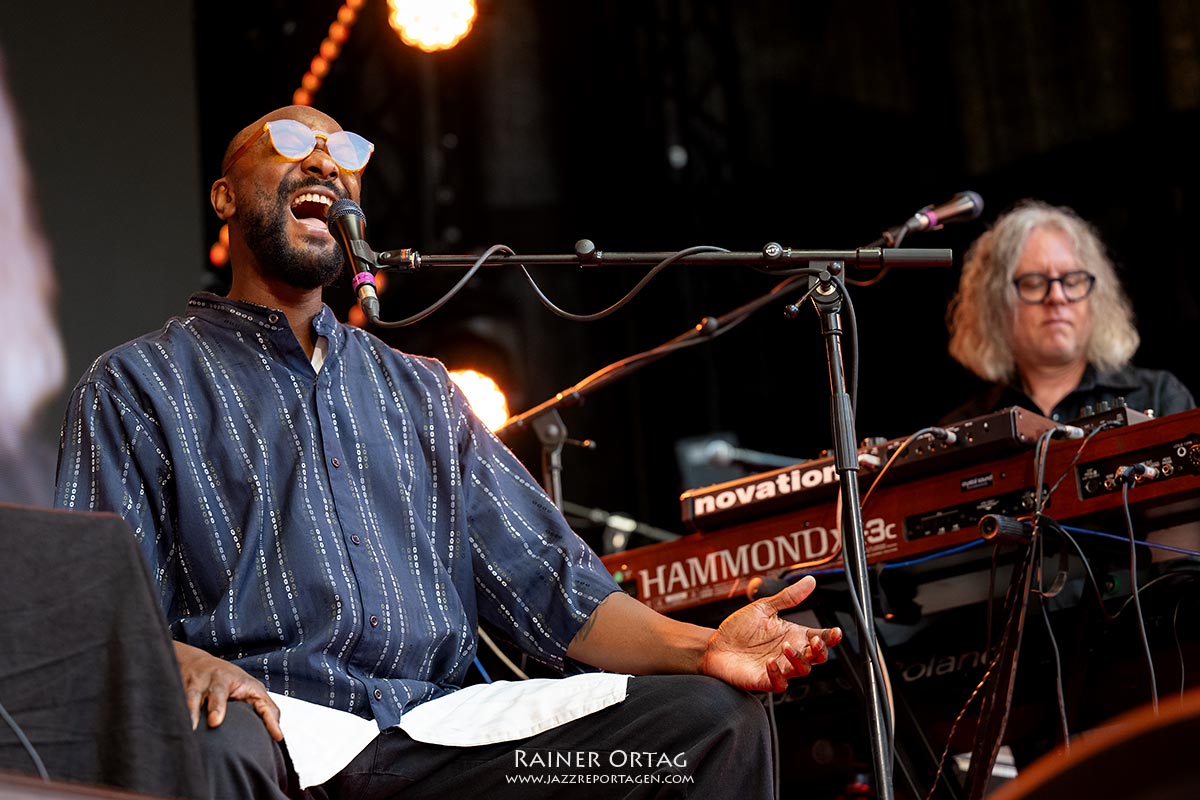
[974,440]
[923,514]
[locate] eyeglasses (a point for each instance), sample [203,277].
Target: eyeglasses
[1034,287]
[294,141]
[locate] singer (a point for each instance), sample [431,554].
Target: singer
[328,522]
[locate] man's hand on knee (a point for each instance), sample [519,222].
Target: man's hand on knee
[212,682]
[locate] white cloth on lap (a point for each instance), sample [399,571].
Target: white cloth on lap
[321,741]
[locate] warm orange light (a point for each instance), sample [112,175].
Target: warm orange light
[218,254]
[302,97]
[346,15]
[338,32]
[223,236]
[432,25]
[310,82]
[330,49]
[319,67]
[483,395]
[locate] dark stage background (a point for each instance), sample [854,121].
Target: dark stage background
[642,126]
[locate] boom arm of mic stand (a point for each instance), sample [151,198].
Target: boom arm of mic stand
[772,257]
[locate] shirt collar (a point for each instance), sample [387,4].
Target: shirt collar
[235,313]
[1119,380]
[238,313]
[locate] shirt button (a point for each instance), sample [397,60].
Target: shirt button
[378,694]
[355,539]
[337,462]
[374,621]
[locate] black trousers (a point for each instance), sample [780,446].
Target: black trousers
[673,736]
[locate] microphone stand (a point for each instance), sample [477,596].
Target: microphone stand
[827,296]
[552,434]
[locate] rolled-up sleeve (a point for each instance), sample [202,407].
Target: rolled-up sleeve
[536,579]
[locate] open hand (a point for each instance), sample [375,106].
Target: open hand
[756,650]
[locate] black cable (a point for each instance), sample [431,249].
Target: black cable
[1058,676]
[1041,452]
[707,330]
[861,284]
[1137,602]
[1086,564]
[768,700]
[869,644]
[1016,604]
[851,328]
[869,650]
[689,338]
[892,458]
[966,707]
[24,740]
[1010,603]
[1179,648]
[657,268]
[1149,584]
[1091,575]
[420,315]
[1078,453]
[991,597]
[1017,622]
[1043,595]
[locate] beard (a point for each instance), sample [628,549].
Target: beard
[264,223]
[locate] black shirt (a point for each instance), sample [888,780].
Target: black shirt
[1153,390]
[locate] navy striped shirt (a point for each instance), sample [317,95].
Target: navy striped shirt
[337,534]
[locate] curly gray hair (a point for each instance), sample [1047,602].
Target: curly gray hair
[980,316]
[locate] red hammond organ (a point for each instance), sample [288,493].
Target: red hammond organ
[923,514]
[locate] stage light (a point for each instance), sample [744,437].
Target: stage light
[339,32]
[431,25]
[218,254]
[484,396]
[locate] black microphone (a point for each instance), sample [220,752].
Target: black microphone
[348,225]
[962,207]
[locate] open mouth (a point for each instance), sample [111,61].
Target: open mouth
[311,208]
